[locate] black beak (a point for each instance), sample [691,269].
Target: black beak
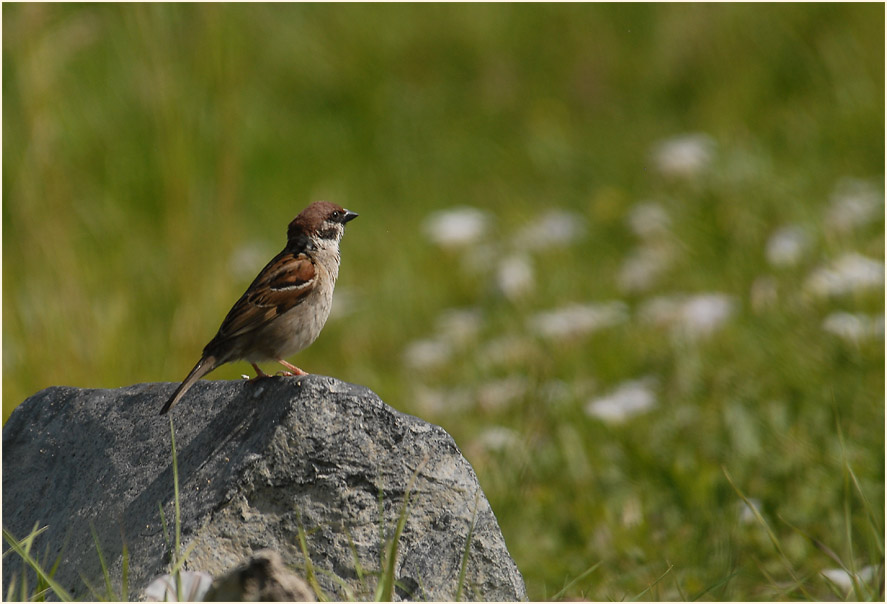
[349,215]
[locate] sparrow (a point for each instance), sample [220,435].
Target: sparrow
[286,306]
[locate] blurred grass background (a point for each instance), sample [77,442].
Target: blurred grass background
[154,153]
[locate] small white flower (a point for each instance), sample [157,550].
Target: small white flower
[703,314]
[649,219]
[632,512]
[627,400]
[427,354]
[747,513]
[685,156]
[514,277]
[436,400]
[854,327]
[787,246]
[641,270]
[457,227]
[855,203]
[509,349]
[554,228]
[247,259]
[344,302]
[844,580]
[693,316]
[578,319]
[849,273]
[459,325]
[501,393]
[194,587]
[498,438]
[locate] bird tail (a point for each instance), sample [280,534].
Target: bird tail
[203,366]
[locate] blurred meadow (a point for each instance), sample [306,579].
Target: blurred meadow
[630,256]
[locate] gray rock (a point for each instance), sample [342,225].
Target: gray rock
[259,463]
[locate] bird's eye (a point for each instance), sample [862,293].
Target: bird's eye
[337,214]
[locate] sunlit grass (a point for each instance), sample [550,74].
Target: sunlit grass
[153,154]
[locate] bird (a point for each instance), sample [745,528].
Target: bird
[286,305]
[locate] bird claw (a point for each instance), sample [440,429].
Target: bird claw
[285,373]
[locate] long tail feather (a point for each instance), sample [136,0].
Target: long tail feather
[203,366]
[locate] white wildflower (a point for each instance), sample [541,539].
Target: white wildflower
[509,349]
[787,246]
[459,325]
[685,156]
[649,219]
[850,273]
[643,267]
[554,228]
[703,314]
[457,227]
[854,203]
[747,512]
[498,438]
[514,276]
[844,579]
[248,259]
[578,319]
[501,393]
[344,302]
[854,327]
[632,512]
[625,401]
[436,400]
[693,316]
[194,587]
[427,354]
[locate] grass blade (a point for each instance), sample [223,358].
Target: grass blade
[572,583]
[714,586]
[385,589]
[124,579]
[106,575]
[464,566]
[310,577]
[54,585]
[770,534]
[178,512]
[653,584]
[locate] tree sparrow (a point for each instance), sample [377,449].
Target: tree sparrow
[285,307]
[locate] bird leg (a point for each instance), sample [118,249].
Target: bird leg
[293,370]
[259,373]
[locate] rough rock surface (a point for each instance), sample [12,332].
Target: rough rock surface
[258,463]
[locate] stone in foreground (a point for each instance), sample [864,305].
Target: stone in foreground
[258,462]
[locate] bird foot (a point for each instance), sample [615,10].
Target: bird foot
[259,374]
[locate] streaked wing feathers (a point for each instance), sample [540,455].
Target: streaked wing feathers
[284,283]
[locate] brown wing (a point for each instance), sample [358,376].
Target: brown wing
[284,283]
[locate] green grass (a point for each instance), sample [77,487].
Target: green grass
[147,148]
